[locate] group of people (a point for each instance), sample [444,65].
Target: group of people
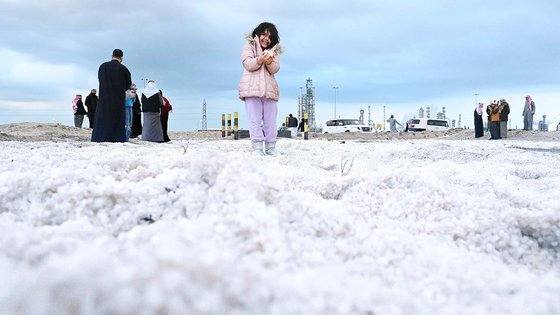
[293,127]
[498,117]
[116,114]
[80,112]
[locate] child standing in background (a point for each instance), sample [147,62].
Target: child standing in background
[258,87]
[129,101]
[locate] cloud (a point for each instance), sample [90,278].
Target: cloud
[385,52]
[24,69]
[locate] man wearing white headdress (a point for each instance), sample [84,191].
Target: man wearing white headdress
[528,112]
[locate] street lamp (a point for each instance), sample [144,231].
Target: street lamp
[383,117]
[335,88]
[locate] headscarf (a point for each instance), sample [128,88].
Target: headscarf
[479,108]
[150,89]
[75,102]
[529,99]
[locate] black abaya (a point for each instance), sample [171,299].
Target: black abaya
[136,128]
[478,125]
[114,80]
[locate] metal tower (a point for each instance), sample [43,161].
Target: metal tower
[428,112]
[459,123]
[307,105]
[204,120]
[443,112]
[421,112]
[369,122]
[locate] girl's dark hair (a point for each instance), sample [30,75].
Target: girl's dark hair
[266,26]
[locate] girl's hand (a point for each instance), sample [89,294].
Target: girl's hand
[268,60]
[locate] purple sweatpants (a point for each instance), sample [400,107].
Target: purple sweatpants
[260,109]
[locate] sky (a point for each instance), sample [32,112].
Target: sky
[399,54]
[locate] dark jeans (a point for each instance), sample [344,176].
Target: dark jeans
[494,130]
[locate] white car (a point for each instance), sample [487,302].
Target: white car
[345,125]
[427,124]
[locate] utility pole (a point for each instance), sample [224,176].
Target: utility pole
[383,117]
[204,121]
[335,88]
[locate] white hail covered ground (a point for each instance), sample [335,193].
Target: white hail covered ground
[380,227]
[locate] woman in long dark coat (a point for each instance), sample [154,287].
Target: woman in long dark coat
[136,128]
[478,124]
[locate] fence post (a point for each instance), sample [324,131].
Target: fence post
[223,125]
[235,126]
[229,125]
[305,127]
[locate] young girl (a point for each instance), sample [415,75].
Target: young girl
[258,87]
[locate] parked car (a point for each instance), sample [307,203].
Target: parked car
[345,125]
[427,124]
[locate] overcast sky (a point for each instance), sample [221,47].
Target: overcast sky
[401,54]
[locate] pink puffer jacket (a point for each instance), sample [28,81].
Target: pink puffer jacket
[258,80]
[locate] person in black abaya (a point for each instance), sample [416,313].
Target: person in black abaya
[114,80]
[478,124]
[152,101]
[136,129]
[91,104]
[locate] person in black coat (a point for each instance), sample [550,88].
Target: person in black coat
[114,80]
[292,125]
[136,129]
[91,104]
[478,123]
[504,117]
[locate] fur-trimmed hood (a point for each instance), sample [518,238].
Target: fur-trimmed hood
[278,49]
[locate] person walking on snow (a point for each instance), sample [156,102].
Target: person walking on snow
[393,124]
[258,86]
[528,112]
